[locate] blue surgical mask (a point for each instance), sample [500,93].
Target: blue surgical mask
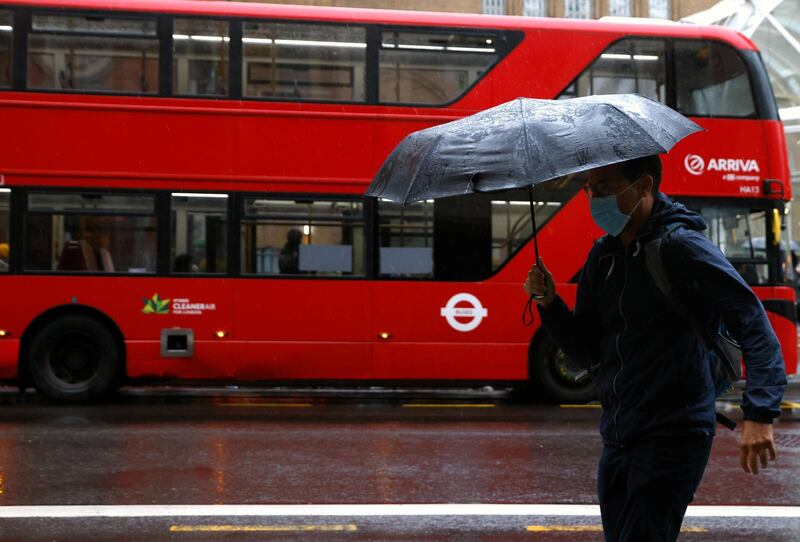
[606,213]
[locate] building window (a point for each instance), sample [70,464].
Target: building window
[659,9]
[534,8]
[578,9]
[494,7]
[620,8]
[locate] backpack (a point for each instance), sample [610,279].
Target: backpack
[724,353]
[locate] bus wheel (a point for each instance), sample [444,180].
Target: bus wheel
[74,359]
[552,373]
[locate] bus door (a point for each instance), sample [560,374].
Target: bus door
[442,309]
[302,304]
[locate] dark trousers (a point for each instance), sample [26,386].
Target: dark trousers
[644,488]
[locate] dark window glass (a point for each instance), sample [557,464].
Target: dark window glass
[199,233]
[406,239]
[97,53]
[285,237]
[628,66]
[304,61]
[5,243]
[463,238]
[90,232]
[711,80]
[200,65]
[432,68]
[741,234]
[6,46]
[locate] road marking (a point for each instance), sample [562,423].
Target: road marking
[590,405]
[260,528]
[363,510]
[592,529]
[448,405]
[790,404]
[267,405]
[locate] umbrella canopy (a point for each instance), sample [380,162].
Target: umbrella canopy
[525,142]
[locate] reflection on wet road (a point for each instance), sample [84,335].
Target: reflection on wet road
[310,466]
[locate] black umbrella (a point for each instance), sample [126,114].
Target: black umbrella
[525,142]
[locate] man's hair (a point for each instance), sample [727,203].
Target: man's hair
[647,165]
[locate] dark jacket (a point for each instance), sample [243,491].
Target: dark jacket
[651,370]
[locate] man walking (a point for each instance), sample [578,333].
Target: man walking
[650,367]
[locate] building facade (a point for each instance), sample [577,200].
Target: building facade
[582,9]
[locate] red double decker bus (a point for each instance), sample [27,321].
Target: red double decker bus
[181,190]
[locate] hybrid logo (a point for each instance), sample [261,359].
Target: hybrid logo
[475,311]
[694,164]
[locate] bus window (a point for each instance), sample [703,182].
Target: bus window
[199,233]
[405,234]
[304,62]
[6,47]
[200,57]
[93,53]
[5,245]
[711,80]
[741,234]
[286,237]
[464,237]
[90,232]
[629,65]
[432,68]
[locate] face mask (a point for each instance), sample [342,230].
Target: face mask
[607,215]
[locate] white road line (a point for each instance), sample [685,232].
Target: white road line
[363,510]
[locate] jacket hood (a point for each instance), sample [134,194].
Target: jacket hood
[667,212]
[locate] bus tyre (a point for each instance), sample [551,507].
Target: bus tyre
[552,374]
[75,359]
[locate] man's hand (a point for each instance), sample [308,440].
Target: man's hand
[756,441]
[540,282]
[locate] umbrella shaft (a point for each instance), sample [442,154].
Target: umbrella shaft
[533,225]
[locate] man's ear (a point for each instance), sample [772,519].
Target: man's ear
[648,182]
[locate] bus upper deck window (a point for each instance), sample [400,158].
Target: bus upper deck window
[200,62]
[77,53]
[6,47]
[304,61]
[430,67]
[629,65]
[711,80]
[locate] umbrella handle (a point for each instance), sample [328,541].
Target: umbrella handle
[527,313]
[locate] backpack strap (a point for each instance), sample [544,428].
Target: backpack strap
[655,266]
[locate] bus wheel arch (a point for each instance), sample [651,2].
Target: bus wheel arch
[93,333]
[551,374]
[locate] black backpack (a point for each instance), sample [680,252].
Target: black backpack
[723,351]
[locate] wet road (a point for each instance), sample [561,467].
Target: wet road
[283,465]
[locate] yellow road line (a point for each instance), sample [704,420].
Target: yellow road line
[271,405]
[592,529]
[591,405]
[790,404]
[447,405]
[260,528]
